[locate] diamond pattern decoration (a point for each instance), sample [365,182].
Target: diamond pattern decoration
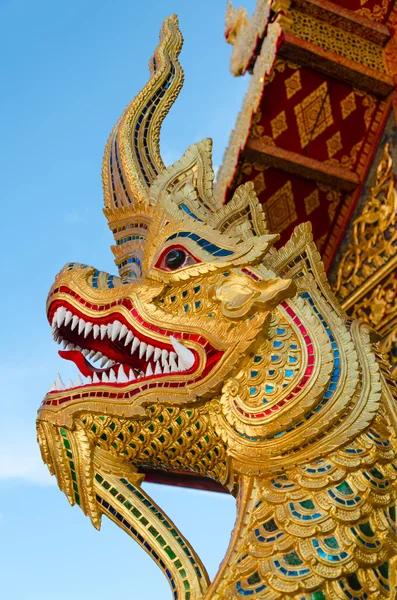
[334,144]
[279,124]
[313,114]
[293,84]
[312,201]
[280,208]
[259,183]
[348,105]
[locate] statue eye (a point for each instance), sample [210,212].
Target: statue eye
[175,258]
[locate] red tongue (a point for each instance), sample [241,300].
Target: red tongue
[79,360]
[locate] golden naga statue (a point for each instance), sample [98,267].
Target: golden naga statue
[221,356]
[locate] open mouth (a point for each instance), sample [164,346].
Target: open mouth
[108,350]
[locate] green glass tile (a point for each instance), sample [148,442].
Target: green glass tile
[170,552]
[179,420]
[128,504]
[76,489]
[187,596]
[182,572]
[178,563]
[153,531]
[161,541]
[63,432]
[66,444]
[121,498]
[331,542]
[74,476]
[136,512]
[292,559]
[174,532]
[112,426]
[144,520]
[106,485]
[93,428]
[98,477]
[151,427]
[114,492]
[186,585]
[308,504]
[384,570]
[71,464]
[344,488]
[103,437]
[366,529]
[114,445]
[69,454]
[318,596]
[77,498]
[102,418]
[255,578]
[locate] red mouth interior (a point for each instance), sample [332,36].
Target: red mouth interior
[82,345]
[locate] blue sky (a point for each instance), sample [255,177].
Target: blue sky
[68,69]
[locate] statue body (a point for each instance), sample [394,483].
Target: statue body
[228,358]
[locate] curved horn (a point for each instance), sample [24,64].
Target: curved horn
[132,155]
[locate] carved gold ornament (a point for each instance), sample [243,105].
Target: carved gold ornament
[214,353]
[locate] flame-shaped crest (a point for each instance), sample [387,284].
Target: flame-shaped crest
[132,158]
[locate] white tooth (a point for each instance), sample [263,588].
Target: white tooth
[173,364]
[60,315]
[95,331]
[89,380]
[123,332]
[157,370]
[149,351]
[112,376]
[157,353]
[142,349]
[85,351]
[110,327]
[104,361]
[164,356]
[53,386]
[111,363]
[81,326]
[186,357]
[79,381]
[59,385]
[68,317]
[70,383]
[54,324]
[65,344]
[95,378]
[97,356]
[149,370]
[75,320]
[105,378]
[121,376]
[128,338]
[70,347]
[166,368]
[91,354]
[87,329]
[59,339]
[116,328]
[104,329]
[78,348]
[131,375]
[135,345]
